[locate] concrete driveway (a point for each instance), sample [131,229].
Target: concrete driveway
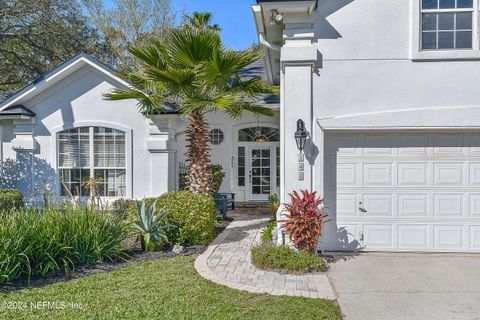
[384,286]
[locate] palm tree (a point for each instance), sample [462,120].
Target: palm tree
[194,71]
[200,21]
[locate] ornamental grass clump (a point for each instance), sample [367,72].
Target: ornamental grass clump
[304,219]
[39,241]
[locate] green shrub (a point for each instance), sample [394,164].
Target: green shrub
[35,242]
[121,208]
[10,199]
[194,216]
[284,259]
[267,232]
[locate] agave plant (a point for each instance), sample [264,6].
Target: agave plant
[304,219]
[151,226]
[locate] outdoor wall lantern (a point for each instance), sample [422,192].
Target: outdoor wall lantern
[301,135]
[276,17]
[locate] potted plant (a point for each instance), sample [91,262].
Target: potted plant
[217,178]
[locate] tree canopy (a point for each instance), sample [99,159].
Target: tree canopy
[130,23]
[35,36]
[38,35]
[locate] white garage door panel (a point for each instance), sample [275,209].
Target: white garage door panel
[413,236]
[405,191]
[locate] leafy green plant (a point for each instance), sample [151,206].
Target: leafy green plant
[285,259]
[194,216]
[274,203]
[10,199]
[267,231]
[38,241]
[304,219]
[217,177]
[151,226]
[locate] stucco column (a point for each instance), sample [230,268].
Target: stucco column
[298,60]
[162,157]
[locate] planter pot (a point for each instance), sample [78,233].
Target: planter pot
[222,203]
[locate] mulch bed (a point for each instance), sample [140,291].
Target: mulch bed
[104,267]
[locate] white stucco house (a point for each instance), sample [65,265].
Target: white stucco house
[59,130]
[389,93]
[387,90]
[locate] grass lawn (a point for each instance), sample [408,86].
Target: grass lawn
[161,289]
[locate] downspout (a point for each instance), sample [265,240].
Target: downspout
[267,44]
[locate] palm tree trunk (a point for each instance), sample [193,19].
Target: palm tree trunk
[199,178]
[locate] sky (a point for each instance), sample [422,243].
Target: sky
[233,16]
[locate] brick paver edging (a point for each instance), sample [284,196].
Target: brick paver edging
[227,261]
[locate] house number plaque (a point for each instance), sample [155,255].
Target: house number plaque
[301,167]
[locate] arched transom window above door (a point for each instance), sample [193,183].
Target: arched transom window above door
[92,152]
[259,134]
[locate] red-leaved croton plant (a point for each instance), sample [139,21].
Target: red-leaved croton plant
[304,219]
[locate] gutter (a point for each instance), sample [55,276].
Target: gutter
[313,8]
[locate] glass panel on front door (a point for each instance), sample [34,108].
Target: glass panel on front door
[260,174]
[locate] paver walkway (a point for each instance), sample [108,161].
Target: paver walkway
[227,262]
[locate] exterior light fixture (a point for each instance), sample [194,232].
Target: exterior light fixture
[301,135]
[276,17]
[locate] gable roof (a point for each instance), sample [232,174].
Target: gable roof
[55,75]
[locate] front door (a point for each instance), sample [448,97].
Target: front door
[261,175]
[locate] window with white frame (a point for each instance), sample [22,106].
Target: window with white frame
[92,152]
[215,136]
[447,24]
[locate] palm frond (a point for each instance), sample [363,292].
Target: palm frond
[136,78]
[146,103]
[206,103]
[220,68]
[235,111]
[247,57]
[188,48]
[153,55]
[253,87]
[176,81]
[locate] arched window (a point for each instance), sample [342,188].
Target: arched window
[92,152]
[259,134]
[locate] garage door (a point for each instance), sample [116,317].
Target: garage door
[405,191]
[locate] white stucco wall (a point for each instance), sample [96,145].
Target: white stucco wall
[78,101]
[366,62]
